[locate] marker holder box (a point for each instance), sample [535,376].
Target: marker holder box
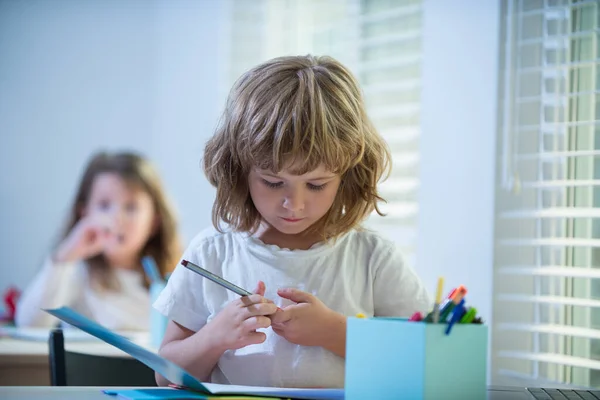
[393,358]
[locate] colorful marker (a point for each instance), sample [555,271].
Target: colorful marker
[453,293]
[469,316]
[438,300]
[459,310]
[449,305]
[416,317]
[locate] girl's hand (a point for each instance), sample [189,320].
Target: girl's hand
[87,239]
[308,323]
[235,326]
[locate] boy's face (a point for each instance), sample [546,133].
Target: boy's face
[128,212]
[292,203]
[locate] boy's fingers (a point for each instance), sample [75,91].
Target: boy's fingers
[281,316]
[252,299]
[256,337]
[260,288]
[262,309]
[278,330]
[257,322]
[296,295]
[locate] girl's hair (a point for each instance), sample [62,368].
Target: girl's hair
[163,245]
[302,111]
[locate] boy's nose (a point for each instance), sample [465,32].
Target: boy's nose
[117,216]
[293,201]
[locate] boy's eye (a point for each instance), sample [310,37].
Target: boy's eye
[272,185]
[104,205]
[131,207]
[316,188]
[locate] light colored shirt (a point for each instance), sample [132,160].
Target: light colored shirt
[361,272]
[68,284]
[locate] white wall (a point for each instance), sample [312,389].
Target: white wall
[76,76]
[460,67]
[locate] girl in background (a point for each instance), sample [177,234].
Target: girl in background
[120,214]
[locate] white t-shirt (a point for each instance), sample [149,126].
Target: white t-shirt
[361,272]
[68,284]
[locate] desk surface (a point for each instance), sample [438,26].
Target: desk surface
[52,393]
[95,393]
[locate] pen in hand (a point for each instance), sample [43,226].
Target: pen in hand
[216,279]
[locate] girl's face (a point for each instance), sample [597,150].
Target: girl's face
[292,203]
[129,213]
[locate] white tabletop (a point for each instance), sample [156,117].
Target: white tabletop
[95,393]
[54,393]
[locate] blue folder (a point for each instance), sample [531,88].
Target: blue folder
[178,375]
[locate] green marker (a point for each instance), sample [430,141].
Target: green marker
[469,316]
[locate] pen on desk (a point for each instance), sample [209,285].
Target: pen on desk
[438,300]
[216,279]
[151,269]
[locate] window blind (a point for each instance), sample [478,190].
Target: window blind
[547,230]
[380,41]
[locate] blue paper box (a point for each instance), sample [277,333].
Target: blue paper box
[393,358]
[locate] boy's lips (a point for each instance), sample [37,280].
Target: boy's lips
[292,219]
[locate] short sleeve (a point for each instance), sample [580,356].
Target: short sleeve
[183,299]
[398,291]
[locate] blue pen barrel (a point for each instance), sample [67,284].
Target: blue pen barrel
[445,310]
[457,314]
[158,322]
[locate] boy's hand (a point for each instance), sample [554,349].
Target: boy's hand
[235,326]
[308,323]
[87,238]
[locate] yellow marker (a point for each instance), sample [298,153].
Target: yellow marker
[438,300]
[440,288]
[361,315]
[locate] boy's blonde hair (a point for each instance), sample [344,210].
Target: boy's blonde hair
[296,111]
[163,245]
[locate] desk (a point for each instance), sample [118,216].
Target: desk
[95,393]
[25,362]
[52,393]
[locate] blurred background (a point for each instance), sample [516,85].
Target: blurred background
[490,109]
